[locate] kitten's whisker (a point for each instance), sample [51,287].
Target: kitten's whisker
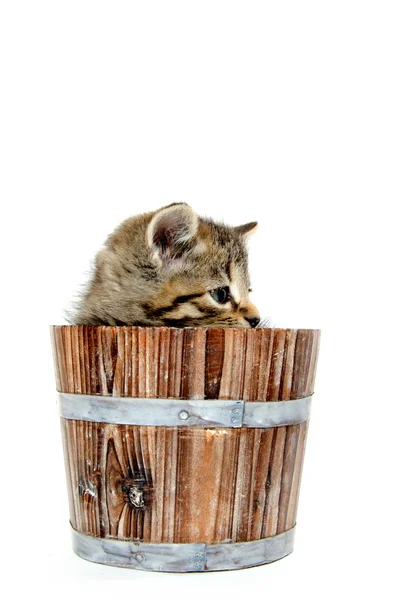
[266,322]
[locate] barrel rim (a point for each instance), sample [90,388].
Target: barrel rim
[164,328]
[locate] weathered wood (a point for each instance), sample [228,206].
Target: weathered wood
[175,484]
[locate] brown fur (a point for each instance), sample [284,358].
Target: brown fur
[160,268]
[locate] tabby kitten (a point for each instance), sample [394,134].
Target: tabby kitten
[173,268]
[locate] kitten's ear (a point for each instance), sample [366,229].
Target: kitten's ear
[170,231]
[247,229]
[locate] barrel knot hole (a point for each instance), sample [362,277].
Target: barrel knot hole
[138,490]
[135,496]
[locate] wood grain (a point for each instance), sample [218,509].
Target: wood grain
[178,484]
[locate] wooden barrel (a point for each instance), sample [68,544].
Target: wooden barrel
[183,447]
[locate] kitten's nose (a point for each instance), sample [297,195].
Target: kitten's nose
[253,321]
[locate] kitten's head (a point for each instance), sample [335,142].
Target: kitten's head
[171,268]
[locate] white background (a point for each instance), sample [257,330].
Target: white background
[281,112]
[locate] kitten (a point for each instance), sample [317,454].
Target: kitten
[171,268]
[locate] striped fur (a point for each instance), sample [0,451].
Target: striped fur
[166,268]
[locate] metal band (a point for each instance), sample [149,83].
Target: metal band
[169,413]
[276,414]
[182,558]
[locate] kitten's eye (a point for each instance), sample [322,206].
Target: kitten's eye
[221,295]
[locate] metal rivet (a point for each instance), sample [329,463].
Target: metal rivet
[139,557]
[235,410]
[234,420]
[183,415]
